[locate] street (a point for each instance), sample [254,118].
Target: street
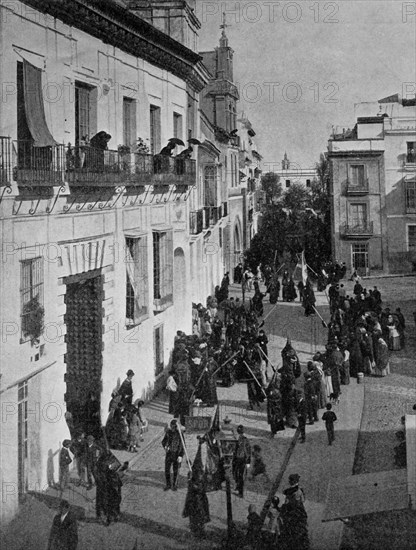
[152,519]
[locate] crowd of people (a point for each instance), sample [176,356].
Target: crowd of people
[228,344]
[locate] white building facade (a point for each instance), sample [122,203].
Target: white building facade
[94,224]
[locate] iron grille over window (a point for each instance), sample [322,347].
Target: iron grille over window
[162,267]
[411,196]
[411,238]
[31,298]
[137,284]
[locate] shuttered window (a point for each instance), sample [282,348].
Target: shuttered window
[163,266]
[31,295]
[155,129]
[137,283]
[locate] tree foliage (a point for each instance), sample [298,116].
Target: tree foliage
[271,186]
[300,220]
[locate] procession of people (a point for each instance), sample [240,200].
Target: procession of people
[229,345]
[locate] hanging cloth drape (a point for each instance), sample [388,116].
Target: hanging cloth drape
[34,107]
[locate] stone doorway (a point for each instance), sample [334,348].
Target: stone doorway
[83,319]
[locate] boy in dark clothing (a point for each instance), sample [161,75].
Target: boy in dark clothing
[258,466]
[329,417]
[64,462]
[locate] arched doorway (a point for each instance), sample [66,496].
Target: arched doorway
[179,289]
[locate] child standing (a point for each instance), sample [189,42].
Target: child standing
[64,462]
[329,417]
[258,465]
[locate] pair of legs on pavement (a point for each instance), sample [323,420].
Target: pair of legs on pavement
[171,462]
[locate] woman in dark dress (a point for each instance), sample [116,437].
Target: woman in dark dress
[294,534]
[274,409]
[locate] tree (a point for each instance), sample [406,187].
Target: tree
[295,197]
[299,221]
[271,186]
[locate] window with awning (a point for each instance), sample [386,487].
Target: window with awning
[34,106]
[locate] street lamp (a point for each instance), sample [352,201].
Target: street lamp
[227,443]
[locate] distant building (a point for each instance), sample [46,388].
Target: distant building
[373,188]
[291,173]
[219,102]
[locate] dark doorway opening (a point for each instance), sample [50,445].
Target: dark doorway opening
[83,318]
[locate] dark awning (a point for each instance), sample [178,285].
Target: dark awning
[34,107]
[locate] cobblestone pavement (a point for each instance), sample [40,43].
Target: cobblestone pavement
[152,519]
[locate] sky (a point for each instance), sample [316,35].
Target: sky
[300,66]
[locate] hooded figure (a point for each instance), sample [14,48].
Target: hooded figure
[196,503]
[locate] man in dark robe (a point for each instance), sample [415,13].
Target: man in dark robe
[126,389]
[196,502]
[92,416]
[308,299]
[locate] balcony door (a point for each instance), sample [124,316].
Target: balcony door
[357,175]
[358,215]
[85,112]
[155,129]
[359,258]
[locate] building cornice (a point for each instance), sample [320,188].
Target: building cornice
[120,28]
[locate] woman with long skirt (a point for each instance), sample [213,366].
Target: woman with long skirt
[294,533]
[382,363]
[274,410]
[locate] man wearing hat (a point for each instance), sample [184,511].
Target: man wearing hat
[302,415]
[92,454]
[241,460]
[64,531]
[126,389]
[172,443]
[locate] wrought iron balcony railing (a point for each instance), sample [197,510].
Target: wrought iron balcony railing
[357,230]
[38,166]
[196,222]
[87,166]
[5,161]
[173,170]
[357,189]
[212,215]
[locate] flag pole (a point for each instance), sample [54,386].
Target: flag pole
[257,382]
[265,356]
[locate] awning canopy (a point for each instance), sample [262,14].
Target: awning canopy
[34,107]
[366,494]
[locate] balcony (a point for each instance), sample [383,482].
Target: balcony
[86,166]
[350,231]
[196,222]
[211,215]
[410,205]
[251,185]
[139,167]
[5,161]
[224,209]
[357,189]
[410,158]
[38,166]
[171,170]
